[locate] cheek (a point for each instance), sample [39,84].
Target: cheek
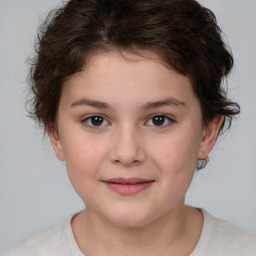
[83,158]
[177,160]
[176,151]
[176,157]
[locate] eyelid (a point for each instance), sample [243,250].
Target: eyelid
[168,117]
[83,121]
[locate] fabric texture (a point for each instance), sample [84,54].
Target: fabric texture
[218,238]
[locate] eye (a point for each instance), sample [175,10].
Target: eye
[160,120]
[94,121]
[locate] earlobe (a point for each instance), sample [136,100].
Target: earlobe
[210,136]
[55,141]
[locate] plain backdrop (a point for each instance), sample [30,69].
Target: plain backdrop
[34,188]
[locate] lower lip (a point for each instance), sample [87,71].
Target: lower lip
[128,189]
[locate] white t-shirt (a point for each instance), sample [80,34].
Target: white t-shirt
[218,238]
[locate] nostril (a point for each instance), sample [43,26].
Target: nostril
[127,163]
[127,150]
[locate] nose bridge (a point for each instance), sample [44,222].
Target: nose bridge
[127,147]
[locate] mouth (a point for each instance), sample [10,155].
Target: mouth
[128,186]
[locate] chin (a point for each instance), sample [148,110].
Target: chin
[130,219]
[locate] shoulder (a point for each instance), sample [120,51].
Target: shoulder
[56,240]
[220,237]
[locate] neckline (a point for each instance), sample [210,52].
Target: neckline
[205,233]
[203,236]
[74,248]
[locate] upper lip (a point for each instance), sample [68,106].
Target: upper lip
[120,180]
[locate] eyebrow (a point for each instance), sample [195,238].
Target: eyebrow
[92,103]
[147,106]
[162,103]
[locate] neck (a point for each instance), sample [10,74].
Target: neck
[97,236]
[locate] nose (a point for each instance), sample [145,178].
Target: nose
[127,148]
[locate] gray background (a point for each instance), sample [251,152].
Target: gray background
[34,188]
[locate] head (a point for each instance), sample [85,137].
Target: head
[182,33]
[86,45]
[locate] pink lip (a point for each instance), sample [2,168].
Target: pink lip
[128,186]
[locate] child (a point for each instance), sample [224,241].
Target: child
[130,95]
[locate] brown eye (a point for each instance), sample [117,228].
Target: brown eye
[95,121]
[160,120]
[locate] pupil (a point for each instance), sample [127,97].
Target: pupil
[158,120]
[97,120]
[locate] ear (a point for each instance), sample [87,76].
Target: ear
[55,141]
[209,137]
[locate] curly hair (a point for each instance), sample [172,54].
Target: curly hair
[181,32]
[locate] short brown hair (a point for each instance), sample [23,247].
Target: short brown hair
[182,32]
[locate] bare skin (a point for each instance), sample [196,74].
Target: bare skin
[171,235]
[148,126]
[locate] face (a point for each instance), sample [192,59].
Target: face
[130,131]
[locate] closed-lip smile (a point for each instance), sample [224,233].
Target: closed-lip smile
[128,186]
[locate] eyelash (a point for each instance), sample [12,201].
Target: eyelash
[91,126]
[166,119]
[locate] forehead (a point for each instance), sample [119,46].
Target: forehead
[114,75]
